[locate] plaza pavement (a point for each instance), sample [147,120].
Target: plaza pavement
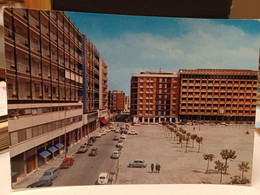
[155,144]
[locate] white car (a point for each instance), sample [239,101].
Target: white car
[132,132]
[122,136]
[119,144]
[102,179]
[115,154]
[98,135]
[117,131]
[102,132]
[108,130]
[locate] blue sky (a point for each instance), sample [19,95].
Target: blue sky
[131,44]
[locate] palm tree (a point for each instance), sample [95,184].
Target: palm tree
[243,167]
[227,154]
[220,167]
[187,139]
[199,140]
[193,137]
[208,157]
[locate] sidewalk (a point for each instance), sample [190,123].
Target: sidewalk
[55,162]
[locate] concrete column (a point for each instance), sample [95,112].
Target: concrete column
[142,119]
[170,119]
[159,119]
[148,120]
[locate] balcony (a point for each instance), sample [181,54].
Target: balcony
[21,40]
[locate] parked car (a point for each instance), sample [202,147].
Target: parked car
[50,174]
[182,123]
[42,183]
[116,138]
[119,144]
[102,179]
[122,136]
[98,135]
[115,154]
[83,149]
[132,132]
[93,139]
[93,152]
[138,163]
[66,163]
[102,132]
[117,131]
[90,143]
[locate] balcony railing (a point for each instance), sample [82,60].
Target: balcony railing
[22,40]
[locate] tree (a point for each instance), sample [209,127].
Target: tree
[209,158]
[220,167]
[227,154]
[243,167]
[238,180]
[187,139]
[199,140]
[193,137]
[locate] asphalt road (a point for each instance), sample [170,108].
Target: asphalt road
[86,169]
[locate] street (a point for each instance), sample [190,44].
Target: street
[86,169]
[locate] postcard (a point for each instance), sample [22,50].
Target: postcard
[96,99]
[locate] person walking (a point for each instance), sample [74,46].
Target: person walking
[156,167]
[152,167]
[159,168]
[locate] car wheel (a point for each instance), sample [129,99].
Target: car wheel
[131,166]
[142,166]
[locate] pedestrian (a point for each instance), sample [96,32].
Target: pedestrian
[193,128]
[152,166]
[159,168]
[156,167]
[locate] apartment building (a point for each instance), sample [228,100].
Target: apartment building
[103,114]
[116,101]
[218,94]
[127,103]
[52,73]
[154,97]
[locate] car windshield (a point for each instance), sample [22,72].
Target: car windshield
[120,141]
[47,173]
[102,177]
[82,146]
[65,161]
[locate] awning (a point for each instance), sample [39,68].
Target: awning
[104,121]
[59,145]
[44,154]
[52,149]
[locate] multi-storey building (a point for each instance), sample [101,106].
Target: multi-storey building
[116,101]
[154,97]
[218,94]
[49,105]
[103,91]
[103,114]
[127,103]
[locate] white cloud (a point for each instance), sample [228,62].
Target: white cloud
[206,45]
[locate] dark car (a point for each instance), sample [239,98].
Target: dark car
[66,163]
[93,139]
[116,138]
[93,152]
[90,143]
[42,183]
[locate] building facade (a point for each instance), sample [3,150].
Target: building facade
[154,97]
[52,73]
[116,101]
[218,94]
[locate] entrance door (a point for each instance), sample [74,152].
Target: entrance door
[30,164]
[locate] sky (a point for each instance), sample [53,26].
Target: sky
[132,44]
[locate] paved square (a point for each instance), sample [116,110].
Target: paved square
[155,144]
